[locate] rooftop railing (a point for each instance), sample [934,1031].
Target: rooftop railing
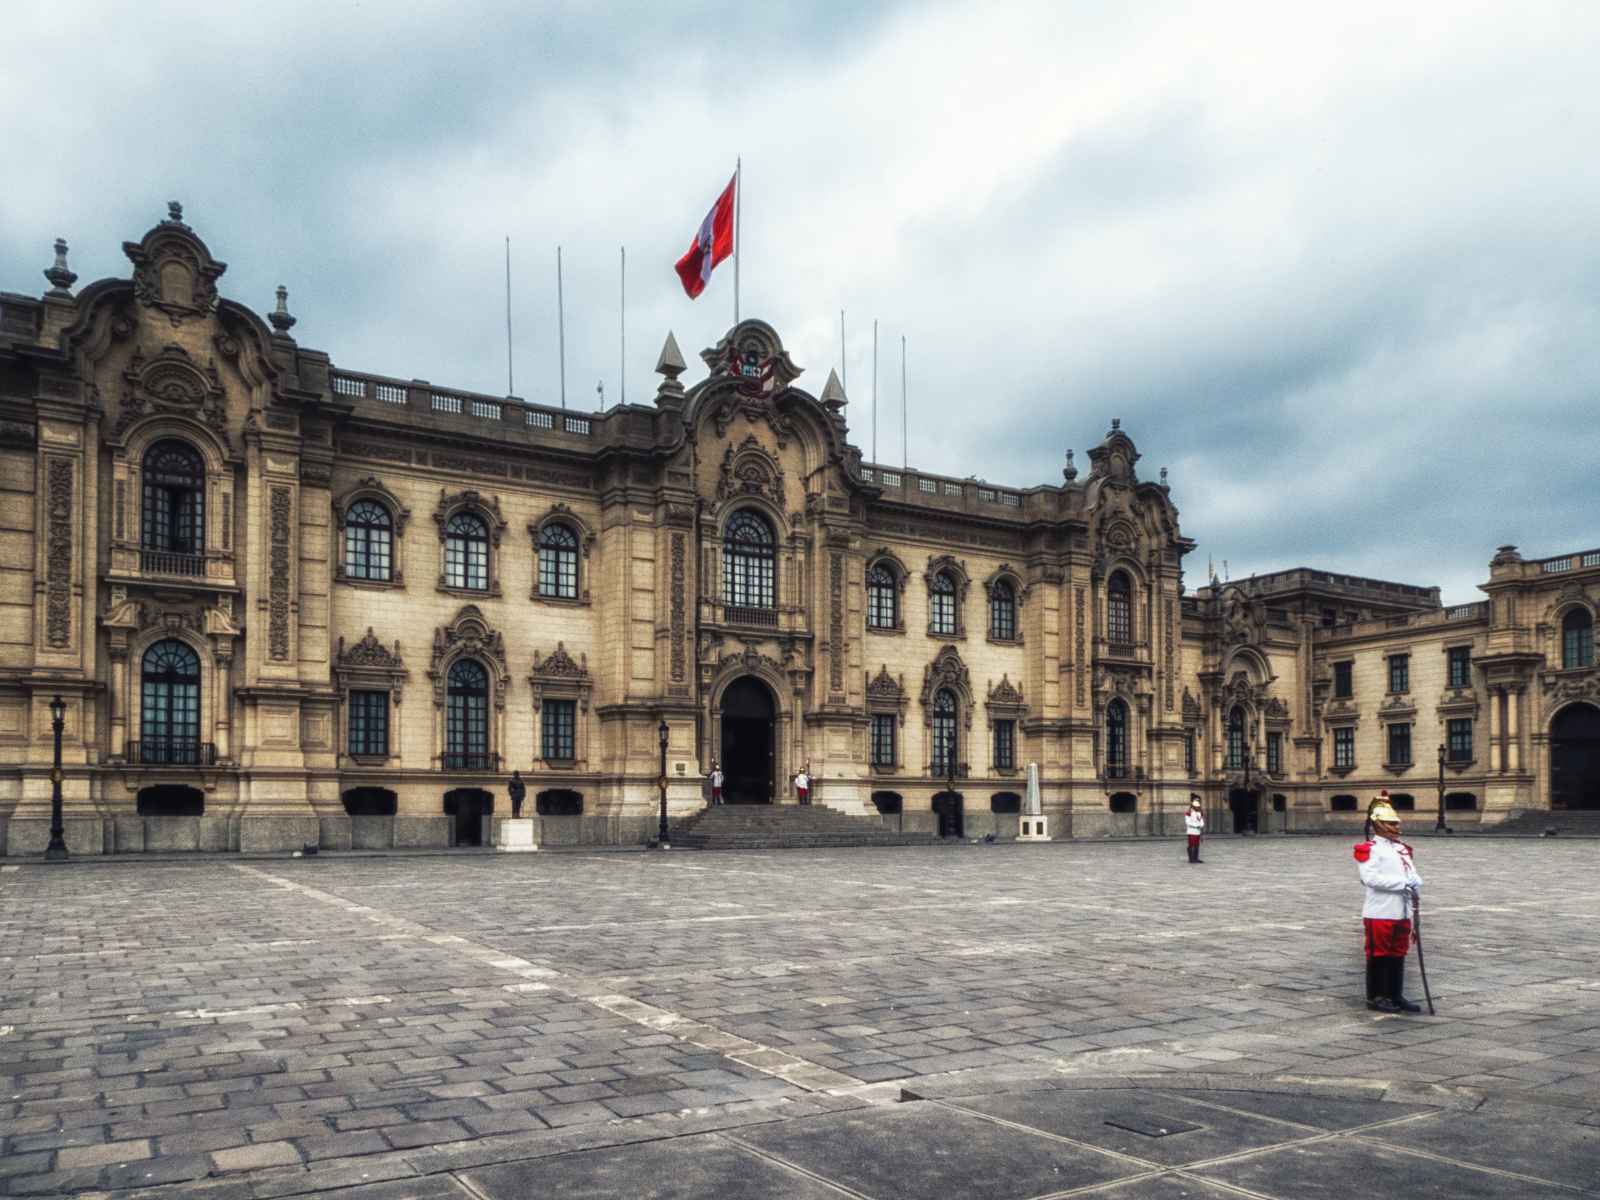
[469,406]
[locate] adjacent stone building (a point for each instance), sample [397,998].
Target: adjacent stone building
[287,603]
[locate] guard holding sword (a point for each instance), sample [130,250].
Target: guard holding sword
[1391,881]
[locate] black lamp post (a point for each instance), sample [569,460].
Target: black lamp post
[1438,825]
[662,838]
[56,851]
[1249,794]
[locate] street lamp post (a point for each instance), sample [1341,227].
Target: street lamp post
[56,851]
[1438,825]
[1249,795]
[662,838]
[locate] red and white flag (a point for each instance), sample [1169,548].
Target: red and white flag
[712,244]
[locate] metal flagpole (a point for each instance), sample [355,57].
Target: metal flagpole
[874,391]
[561,327]
[510,387]
[738,232]
[905,437]
[622,321]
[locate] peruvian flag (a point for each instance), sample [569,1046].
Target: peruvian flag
[711,245]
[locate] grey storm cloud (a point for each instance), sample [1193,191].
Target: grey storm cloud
[1335,269]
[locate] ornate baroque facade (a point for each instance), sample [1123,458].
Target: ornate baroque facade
[288,603]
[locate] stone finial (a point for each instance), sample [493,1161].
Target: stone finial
[1071,472]
[174,213]
[1116,424]
[1163,477]
[60,276]
[280,318]
[833,397]
[669,365]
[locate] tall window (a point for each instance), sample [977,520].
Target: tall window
[1460,738]
[1117,737]
[558,729]
[944,732]
[1005,745]
[1344,746]
[1188,753]
[1236,740]
[1119,610]
[748,556]
[883,598]
[1577,640]
[942,605]
[558,563]
[169,710]
[466,728]
[174,523]
[466,553]
[1002,611]
[1399,673]
[369,723]
[1274,753]
[883,739]
[1343,684]
[1400,745]
[368,541]
[1460,666]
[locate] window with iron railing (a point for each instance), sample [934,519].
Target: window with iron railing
[1119,609]
[749,555]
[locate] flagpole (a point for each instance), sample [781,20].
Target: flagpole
[738,232]
[561,327]
[844,358]
[622,321]
[510,387]
[874,391]
[905,437]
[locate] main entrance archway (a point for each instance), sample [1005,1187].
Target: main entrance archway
[1575,758]
[748,724]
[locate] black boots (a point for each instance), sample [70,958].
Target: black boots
[1397,971]
[1384,980]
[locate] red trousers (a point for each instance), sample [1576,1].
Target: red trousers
[1194,841]
[1387,939]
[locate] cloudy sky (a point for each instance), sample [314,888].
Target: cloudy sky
[1336,266]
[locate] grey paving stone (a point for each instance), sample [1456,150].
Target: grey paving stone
[1562,1151]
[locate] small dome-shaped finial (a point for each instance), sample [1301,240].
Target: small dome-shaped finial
[174,212]
[280,318]
[60,276]
[1116,424]
[1163,477]
[1072,471]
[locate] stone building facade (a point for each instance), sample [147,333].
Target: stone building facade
[287,603]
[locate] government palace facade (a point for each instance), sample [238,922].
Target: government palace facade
[283,603]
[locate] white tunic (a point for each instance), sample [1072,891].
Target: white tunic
[1194,821]
[1388,872]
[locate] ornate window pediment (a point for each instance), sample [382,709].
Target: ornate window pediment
[946,671]
[947,582]
[172,384]
[372,490]
[887,693]
[458,516]
[750,469]
[562,678]
[562,542]
[1005,700]
[370,666]
[468,636]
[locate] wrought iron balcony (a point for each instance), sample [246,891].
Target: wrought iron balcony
[171,752]
[471,760]
[169,562]
[1117,772]
[738,614]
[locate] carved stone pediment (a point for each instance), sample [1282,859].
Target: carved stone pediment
[487,507]
[172,382]
[884,686]
[469,635]
[173,271]
[561,665]
[370,652]
[947,671]
[561,676]
[751,470]
[1565,687]
[1005,692]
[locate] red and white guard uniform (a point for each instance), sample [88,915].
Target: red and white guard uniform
[1387,873]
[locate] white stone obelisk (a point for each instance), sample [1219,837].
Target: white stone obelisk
[1033,826]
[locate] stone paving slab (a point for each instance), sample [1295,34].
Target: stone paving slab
[218,1027]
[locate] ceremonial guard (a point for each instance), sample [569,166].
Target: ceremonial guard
[1194,823]
[716,782]
[1391,880]
[802,784]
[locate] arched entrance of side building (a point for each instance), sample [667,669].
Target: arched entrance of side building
[749,724]
[1575,759]
[1244,805]
[471,807]
[947,809]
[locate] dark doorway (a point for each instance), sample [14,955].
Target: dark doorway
[1244,805]
[370,802]
[470,807]
[747,739]
[947,809]
[1575,759]
[887,803]
[172,800]
[558,802]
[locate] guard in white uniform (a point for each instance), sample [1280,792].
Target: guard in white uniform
[1194,824]
[1390,879]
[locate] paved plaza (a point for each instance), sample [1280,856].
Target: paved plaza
[972,1020]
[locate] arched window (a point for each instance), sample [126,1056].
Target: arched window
[169,707]
[1002,611]
[1116,738]
[1119,610]
[883,598]
[942,605]
[1236,740]
[748,557]
[466,724]
[558,562]
[944,734]
[1577,640]
[466,553]
[173,533]
[368,542]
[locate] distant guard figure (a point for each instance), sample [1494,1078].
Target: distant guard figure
[1390,876]
[518,791]
[802,784]
[1194,822]
[716,782]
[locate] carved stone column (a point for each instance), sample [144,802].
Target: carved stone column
[1496,761]
[117,701]
[221,721]
[1513,729]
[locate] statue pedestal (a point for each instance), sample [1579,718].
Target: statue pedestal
[516,836]
[1033,829]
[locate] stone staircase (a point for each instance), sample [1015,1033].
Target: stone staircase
[1581,823]
[782,826]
